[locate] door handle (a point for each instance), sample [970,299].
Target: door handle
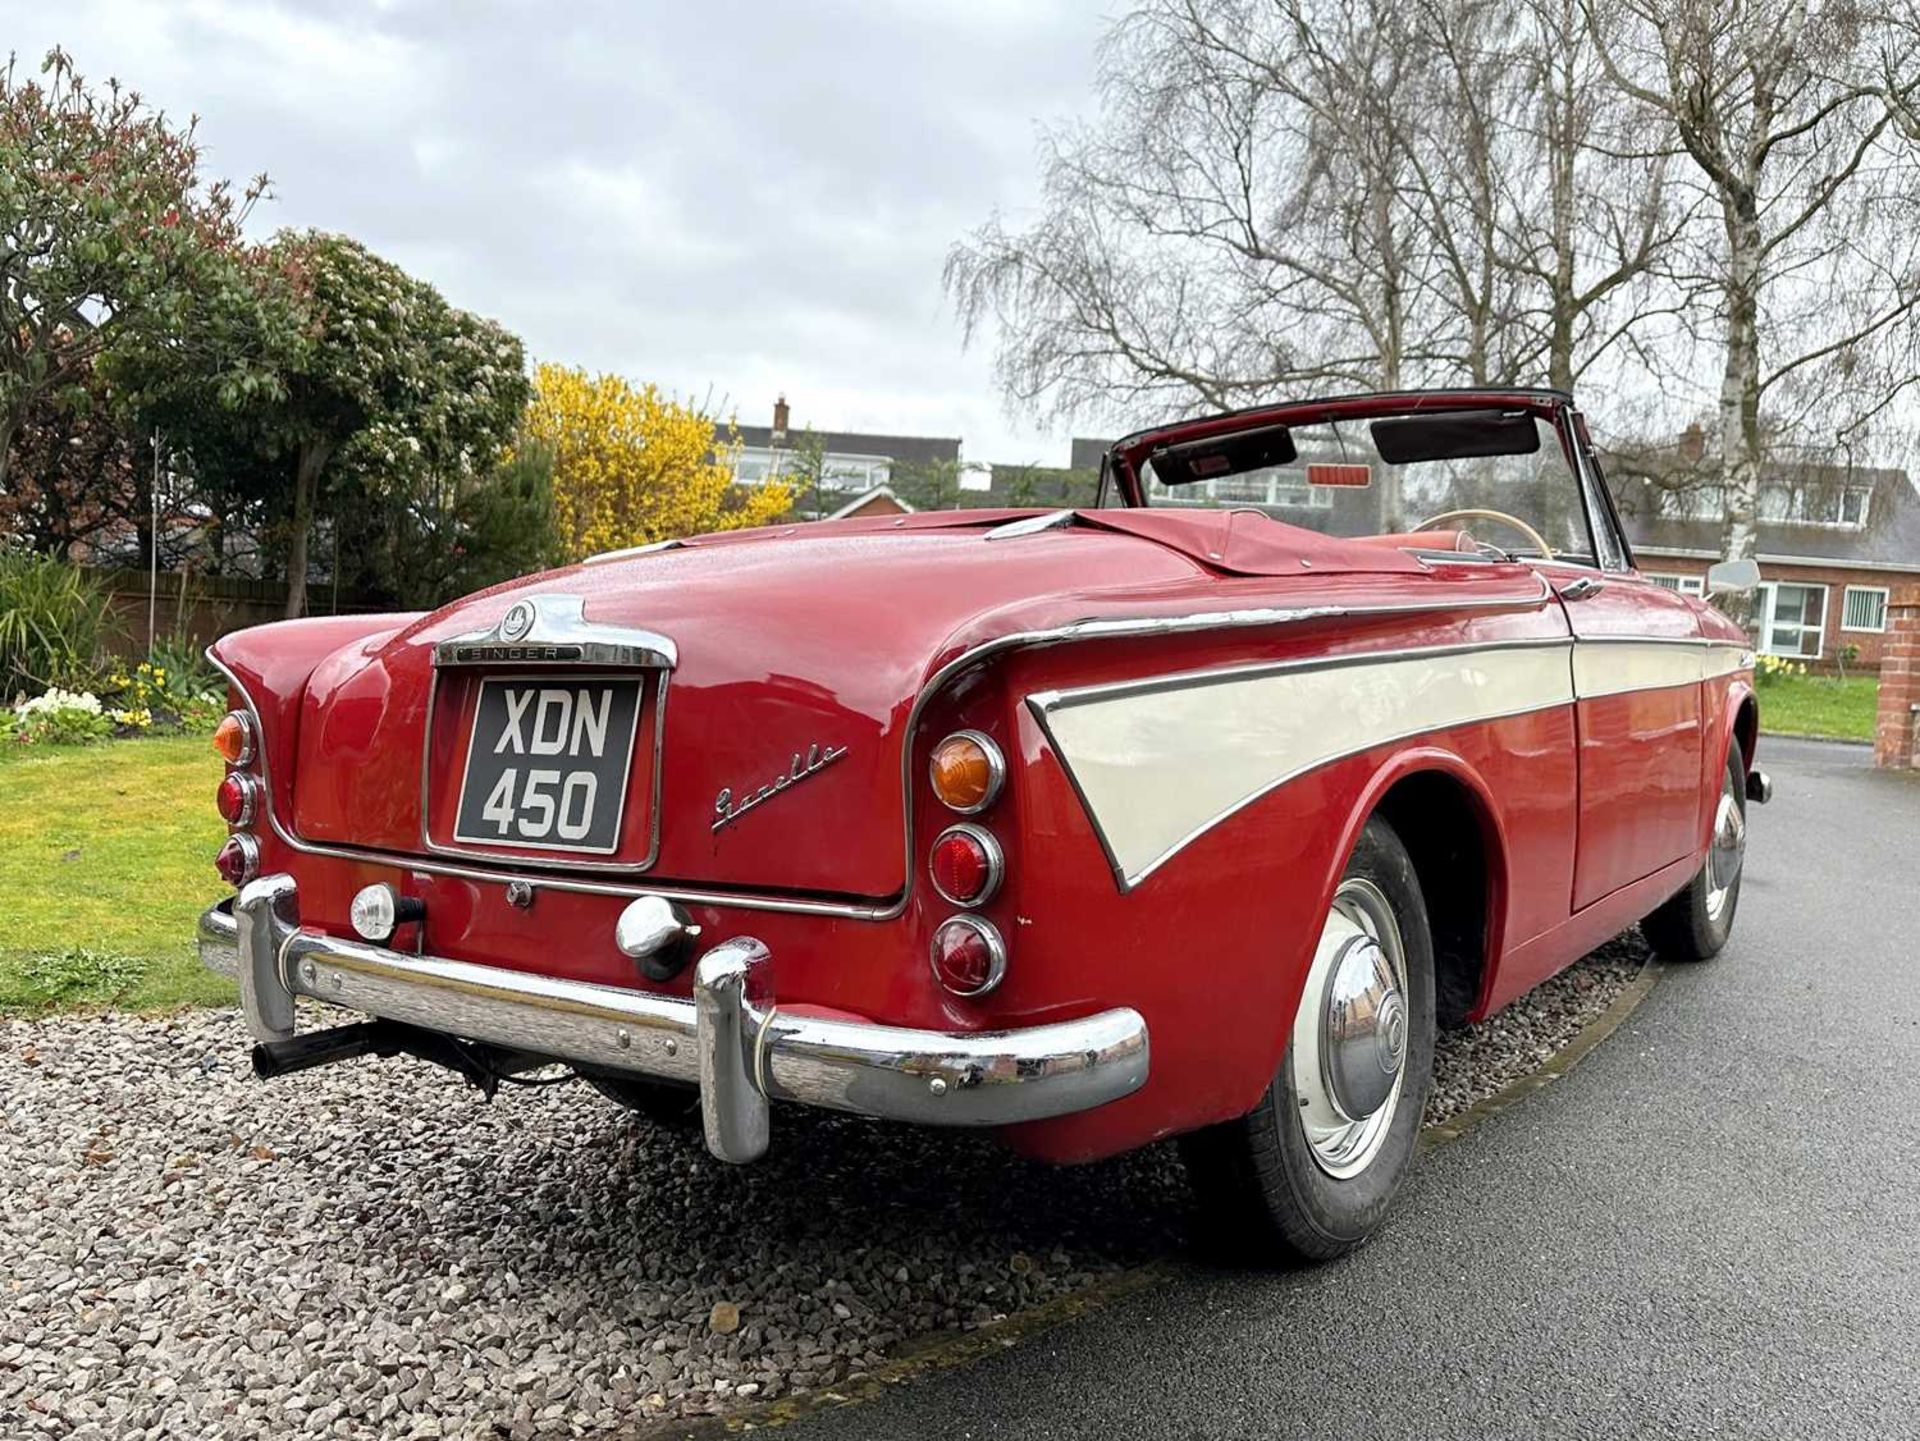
[1582,588]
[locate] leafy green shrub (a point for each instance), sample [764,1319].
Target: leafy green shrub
[189,672]
[61,718]
[175,691]
[53,617]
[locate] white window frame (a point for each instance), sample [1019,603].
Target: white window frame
[1764,602]
[1886,595]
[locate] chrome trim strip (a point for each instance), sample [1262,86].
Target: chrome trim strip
[1031,525]
[554,630]
[730,1038]
[652,547]
[978,655]
[1535,688]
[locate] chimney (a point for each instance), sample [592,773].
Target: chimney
[1693,444]
[780,419]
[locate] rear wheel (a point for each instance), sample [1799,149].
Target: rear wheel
[1309,1173]
[1694,924]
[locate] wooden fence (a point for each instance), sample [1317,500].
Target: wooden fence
[200,608]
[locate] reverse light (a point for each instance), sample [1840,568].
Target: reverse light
[969,958]
[238,861]
[379,910]
[966,865]
[233,738]
[967,771]
[238,799]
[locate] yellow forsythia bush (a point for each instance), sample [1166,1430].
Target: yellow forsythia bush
[631,465]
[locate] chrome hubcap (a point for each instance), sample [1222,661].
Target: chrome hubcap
[1728,852]
[1363,1029]
[1350,1035]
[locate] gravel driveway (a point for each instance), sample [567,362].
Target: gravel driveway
[372,1250]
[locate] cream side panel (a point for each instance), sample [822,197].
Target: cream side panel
[1160,763]
[1602,668]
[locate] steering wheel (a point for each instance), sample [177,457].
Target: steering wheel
[1539,540]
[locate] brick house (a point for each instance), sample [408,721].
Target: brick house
[1834,544]
[852,463]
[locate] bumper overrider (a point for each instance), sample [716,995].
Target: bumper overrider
[731,1039]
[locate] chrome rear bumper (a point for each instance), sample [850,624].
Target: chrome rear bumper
[731,1039]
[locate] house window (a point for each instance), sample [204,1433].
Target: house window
[1685,584]
[1280,486]
[1865,608]
[1789,620]
[1815,504]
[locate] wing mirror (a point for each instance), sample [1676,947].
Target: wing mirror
[1735,577]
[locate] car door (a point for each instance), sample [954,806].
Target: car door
[1638,725]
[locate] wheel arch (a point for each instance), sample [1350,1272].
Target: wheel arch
[1746,725]
[1443,812]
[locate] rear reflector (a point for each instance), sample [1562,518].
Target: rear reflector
[966,865]
[969,958]
[238,861]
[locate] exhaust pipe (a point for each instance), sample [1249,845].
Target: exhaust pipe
[484,1066]
[323,1048]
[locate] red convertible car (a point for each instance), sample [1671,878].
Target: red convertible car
[1190,814]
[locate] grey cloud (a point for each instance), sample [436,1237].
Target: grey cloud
[721,196]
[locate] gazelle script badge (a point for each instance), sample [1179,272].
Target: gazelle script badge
[727,810]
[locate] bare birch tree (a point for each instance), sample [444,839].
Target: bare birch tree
[1786,113]
[1233,225]
[1316,195]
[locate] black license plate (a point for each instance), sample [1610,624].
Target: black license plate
[548,764]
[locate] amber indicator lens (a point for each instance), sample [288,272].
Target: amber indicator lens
[968,956]
[235,800]
[233,738]
[967,769]
[238,861]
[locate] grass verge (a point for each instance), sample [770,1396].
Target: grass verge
[1819,705]
[105,862]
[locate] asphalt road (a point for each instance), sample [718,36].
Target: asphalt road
[1710,1228]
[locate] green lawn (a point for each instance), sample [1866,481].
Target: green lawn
[106,858]
[1818,705]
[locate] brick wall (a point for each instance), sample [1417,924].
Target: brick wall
[1835,578]
[1894,733]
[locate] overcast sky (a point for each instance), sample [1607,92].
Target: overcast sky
[727,198]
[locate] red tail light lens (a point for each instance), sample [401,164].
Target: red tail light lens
[969,958]
[233,738]
[238,861]
[966,865]
[238,799]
